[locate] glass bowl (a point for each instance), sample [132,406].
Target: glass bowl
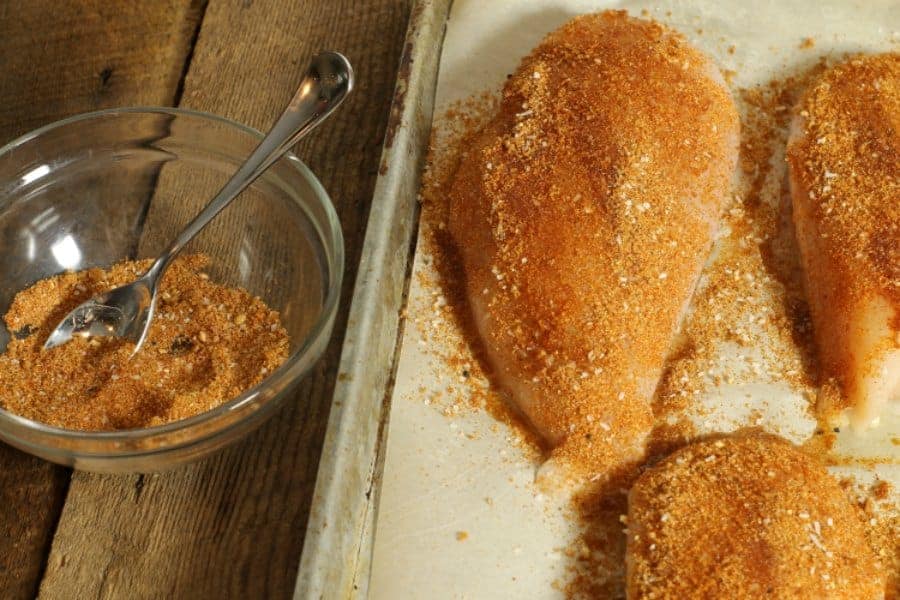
[101,187]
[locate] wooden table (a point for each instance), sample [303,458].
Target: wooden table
[231,526]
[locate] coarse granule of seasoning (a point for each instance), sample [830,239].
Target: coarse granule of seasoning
[207,344]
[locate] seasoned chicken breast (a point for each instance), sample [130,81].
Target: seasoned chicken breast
[583,213]
[844,158]
[747,516]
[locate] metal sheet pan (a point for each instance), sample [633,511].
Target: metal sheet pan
[457,515]
[338,545]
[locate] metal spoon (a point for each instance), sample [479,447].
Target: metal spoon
[126,311]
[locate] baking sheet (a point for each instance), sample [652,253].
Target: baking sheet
[458,515]
[337,549]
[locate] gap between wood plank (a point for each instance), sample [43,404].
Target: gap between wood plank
[186,65]
[176,100]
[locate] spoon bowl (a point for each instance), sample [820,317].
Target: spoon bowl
[123,312]
[127,311]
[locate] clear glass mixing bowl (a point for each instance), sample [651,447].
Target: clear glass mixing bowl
[100,187]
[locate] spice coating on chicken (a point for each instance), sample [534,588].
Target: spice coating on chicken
[583,213]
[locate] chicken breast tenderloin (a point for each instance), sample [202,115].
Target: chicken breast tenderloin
[844,159]
[583,213]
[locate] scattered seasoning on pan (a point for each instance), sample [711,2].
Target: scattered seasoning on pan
[761,514]
[207,344]
[751,295]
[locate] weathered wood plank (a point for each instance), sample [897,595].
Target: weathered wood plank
[31,497]
[61,59]
[233,525]
[58,60]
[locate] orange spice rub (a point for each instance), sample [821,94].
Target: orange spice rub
[582,214]
[746,516]
[207,344]
[844,158]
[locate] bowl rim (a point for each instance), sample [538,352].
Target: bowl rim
[284,374]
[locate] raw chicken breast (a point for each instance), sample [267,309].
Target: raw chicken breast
[746,516]
[844,157]
[582,214]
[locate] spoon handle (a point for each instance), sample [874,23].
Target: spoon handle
[327,82]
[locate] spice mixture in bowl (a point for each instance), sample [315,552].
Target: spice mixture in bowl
[243,314]
[208,343]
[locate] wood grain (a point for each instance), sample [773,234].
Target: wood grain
[232,526]
[61,59]
[58,60]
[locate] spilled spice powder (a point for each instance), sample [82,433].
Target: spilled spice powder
[751,296]
[207,344]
